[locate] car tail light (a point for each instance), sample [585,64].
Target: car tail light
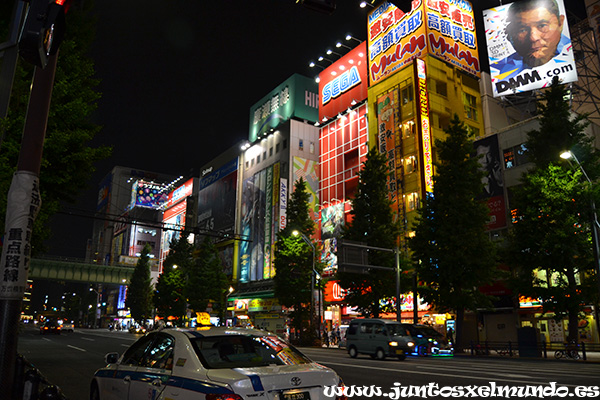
[223,396]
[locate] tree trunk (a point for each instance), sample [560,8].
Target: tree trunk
[460,315]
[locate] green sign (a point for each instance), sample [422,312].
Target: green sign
[296,97]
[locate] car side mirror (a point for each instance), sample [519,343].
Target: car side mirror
[111,358]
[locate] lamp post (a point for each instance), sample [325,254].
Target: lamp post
[567,155]
[312,281]
[96,311]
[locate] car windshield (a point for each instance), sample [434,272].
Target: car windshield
[429,332]
[240,351]
[397,329]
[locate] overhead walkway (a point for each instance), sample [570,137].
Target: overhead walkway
[74,271]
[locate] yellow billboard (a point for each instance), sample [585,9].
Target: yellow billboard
[442,28]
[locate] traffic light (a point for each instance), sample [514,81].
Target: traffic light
[43,30]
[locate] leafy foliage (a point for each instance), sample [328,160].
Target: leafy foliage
[452,252]
[169,297]
[293,260]
[139,291]
[68,158]
[550,246]
[206,281]
[373,224]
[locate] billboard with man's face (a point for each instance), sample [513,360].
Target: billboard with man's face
[528,45]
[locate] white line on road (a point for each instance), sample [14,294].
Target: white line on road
[76,348]
[125,345]
[46,339]
[487,379]
[91,340]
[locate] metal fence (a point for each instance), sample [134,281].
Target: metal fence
[30,384]
[576,351]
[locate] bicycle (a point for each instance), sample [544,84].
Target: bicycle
[570,351]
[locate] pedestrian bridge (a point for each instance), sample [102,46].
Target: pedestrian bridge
[74,271]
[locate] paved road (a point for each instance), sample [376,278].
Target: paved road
[70,359]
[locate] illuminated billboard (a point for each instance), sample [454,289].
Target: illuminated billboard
[425,138]
[296,97]
[444,29]
[528,45]
[343,83]
[148,194]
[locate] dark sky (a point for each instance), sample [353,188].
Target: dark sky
[179,77]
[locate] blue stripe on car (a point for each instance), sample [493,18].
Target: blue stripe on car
[256,383]
[173,381]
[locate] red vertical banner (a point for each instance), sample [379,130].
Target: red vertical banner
[387,115]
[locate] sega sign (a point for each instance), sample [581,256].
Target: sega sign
[341,84]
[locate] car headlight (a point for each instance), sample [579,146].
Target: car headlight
[393,344]
[410,344]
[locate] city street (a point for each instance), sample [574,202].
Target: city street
[70,359]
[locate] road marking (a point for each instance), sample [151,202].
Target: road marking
[76,348]
[125,345]
[91,340]
[487,379]
[46,339]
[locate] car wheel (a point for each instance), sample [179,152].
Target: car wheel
[402,357]
[94,392]
[422,350]
[380,354]
[352,352]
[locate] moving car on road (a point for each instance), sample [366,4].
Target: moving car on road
[378,338]
[50,327]
[429,341]
[212,363]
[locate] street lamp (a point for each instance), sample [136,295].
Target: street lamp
[312,281]
[567,155]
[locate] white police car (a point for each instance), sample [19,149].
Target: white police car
[211,363]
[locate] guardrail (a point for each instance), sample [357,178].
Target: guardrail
[577,351]
[30,384]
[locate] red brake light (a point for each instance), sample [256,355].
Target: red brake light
[223,396]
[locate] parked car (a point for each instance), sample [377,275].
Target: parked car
[50,327]
[429,341]
[378,338]
[211,363]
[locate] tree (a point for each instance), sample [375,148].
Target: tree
[68,157]
[452,252]
[206,281]
[373,223]
[169,297]
[550,249]
[293,261]
[139,291]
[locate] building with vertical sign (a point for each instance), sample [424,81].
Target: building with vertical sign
[282,148]
[423,69]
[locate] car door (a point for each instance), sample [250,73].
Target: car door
[125,374]
[154,370]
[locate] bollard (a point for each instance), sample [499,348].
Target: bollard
[31,385]
[19,378]
[51,393]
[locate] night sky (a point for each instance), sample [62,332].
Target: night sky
[179,77]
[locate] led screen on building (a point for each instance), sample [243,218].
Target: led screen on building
[528,45]
[487,151]
[148,195]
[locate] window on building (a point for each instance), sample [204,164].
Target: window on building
[470,104]
[301,145]
[408,129]
[270,151]
[515,156]
[407,94]
[312,148]
[252,162]
[412,201]
[264,155]
[247,164]
[438,87]
[277,148]
[410,164]
[258,159]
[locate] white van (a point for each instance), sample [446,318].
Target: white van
[378,338]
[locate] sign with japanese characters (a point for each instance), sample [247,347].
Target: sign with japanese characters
[296,97]
[425,138]
[23,204]
[442,28]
